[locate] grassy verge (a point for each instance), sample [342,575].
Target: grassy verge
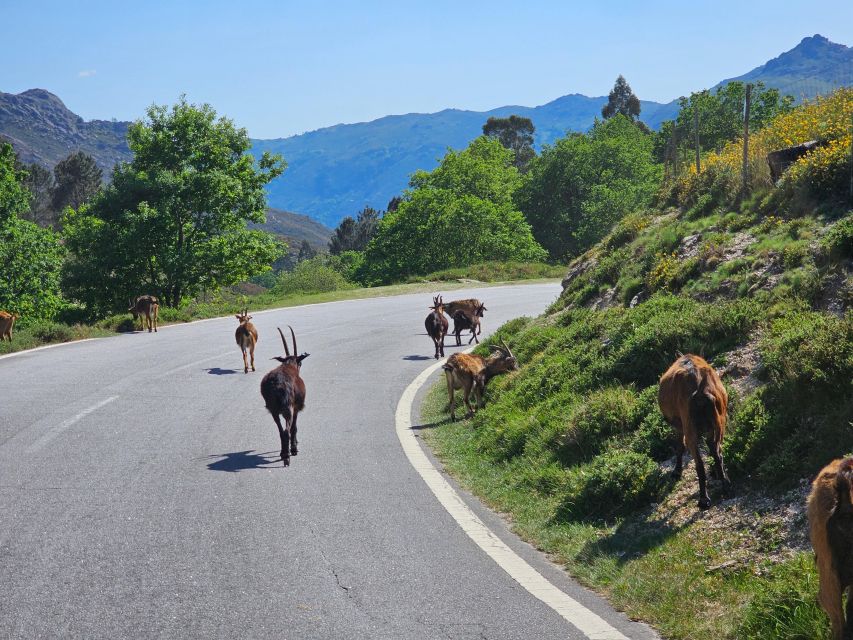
[676,573]
[496,272]
[220,304]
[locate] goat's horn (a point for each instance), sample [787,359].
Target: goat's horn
[508,350]
[293,335]
[283,341]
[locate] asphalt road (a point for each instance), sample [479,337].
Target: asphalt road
[141,495]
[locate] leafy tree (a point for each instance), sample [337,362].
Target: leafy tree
[721,114]
[30,257]
[14,198]
[459,214]
[393,203]
[40,183]
[306,251]
[173,220]
[516,134]
[30,267]
[354,235]
[78,178]
[621,100]
[578,188]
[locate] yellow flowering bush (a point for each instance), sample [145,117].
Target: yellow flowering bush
[827,119]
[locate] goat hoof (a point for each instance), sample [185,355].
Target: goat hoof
[293,452]
[704,503]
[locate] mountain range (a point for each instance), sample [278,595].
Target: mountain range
[335,171]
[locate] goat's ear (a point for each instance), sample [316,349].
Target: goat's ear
[279,358]
[302,357]
[238,316]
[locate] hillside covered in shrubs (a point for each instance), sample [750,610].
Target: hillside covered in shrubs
[574,446]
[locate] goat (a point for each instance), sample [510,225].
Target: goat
[469,305]
[247,337]
[694,401]
[462,321]
[471,372]
[145,308]
[436,326]
[7,321]
[283,391]
[830,514]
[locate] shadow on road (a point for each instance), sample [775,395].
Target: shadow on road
[417,357]
[430,425]
[216,371]
[244,460]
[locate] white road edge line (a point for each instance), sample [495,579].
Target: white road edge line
[52,433]
[587,622]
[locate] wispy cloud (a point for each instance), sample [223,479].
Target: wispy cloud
[86,73]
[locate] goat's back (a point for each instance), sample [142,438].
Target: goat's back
[283,390]
[435,324]
[830,515]
[246,335]
[691,391]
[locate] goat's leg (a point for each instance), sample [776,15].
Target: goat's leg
[719,466]
[451,397]
[467,386]
[293,448]
[458,331]
[284,434]
[679,448]
[435,344]
[693,447]
[245,362]
[441,343]
[149,323]
[474,335]
[252,354]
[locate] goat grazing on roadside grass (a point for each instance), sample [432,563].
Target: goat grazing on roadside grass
[436,326]
[694,401]
[830,513]
[470,372]
[469,306]
[247,337]
[7,322]
[462,321]
[284,394]
[145,308]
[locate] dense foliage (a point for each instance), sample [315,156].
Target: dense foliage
[355,234]
[621,101]
[173,220]
[577,189]
[516,134]
[459,214]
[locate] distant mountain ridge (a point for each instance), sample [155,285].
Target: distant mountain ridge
[335,171]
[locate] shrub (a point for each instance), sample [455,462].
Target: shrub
[614,483]
[311,276]
[838,241]
[653,436]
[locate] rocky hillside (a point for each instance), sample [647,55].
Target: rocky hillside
[43,130]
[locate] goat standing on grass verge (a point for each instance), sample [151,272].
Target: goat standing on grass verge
[7,321]
[247,337]
[145,308]
[463,320]
[436,326]
[468,305]
[694,402]
[469,372]
[284,394]
[830,513]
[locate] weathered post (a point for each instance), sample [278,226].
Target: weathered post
[745,186]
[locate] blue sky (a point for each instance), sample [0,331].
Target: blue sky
[280,68]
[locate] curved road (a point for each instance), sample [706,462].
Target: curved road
[141,495]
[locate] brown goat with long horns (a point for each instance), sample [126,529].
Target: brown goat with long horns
[436,326]
[247,337]
[830,512]
[471,372]
[284,394]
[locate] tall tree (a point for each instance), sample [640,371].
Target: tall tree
[354,235]
[40,183]
[459,214]
[516,134]
[173,220]
[306,251]
[14,198]
[78,179]
[621,100]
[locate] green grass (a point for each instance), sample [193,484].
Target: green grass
[216,305]
[495,272]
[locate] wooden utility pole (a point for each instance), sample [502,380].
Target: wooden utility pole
[746,139]
[675,149]
[696,130]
